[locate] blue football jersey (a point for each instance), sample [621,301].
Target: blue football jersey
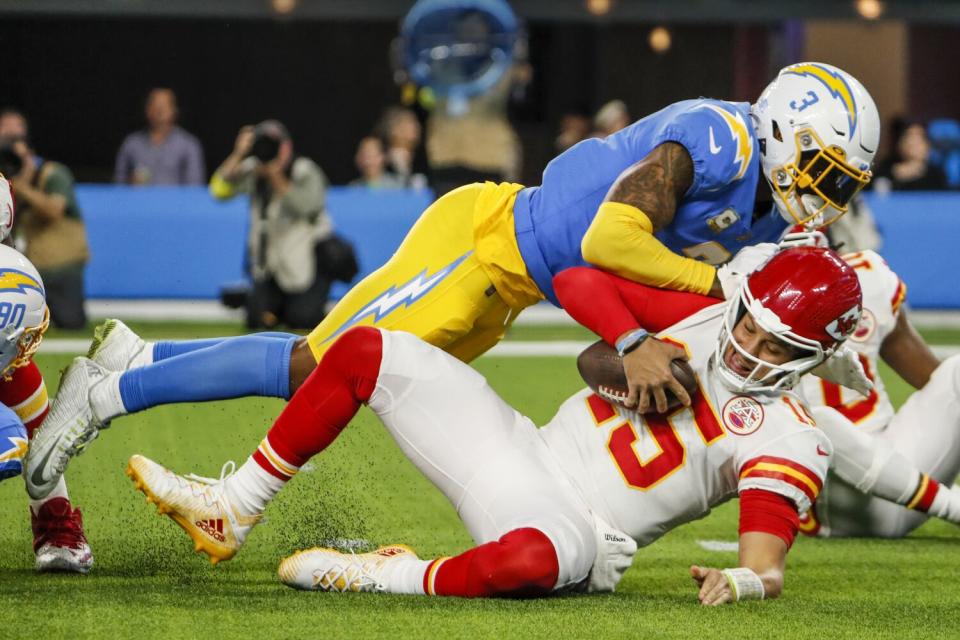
[712,222]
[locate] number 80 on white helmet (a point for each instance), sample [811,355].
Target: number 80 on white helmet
[24,316]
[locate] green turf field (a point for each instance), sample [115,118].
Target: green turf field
[148,583]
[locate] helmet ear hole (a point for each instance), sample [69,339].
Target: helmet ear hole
[776,131]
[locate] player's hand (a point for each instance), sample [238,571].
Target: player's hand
[714,587]
[244,141]
[648,375]
[846,369]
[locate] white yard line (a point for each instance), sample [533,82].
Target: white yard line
[719,545]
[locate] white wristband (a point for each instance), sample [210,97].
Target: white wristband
[745,584]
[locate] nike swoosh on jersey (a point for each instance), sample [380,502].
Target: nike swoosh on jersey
[821,451]
[714,147]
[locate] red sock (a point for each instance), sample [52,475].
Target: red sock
[325,403]
[26,394]
[522,563]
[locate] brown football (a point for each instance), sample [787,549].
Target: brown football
[601,368]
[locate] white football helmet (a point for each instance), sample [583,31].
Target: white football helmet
[24,316]
[818,130]
[6,208]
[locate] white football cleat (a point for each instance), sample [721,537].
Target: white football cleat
[199,505]
[58,539]
[69,427]
[116,347]
[320,569]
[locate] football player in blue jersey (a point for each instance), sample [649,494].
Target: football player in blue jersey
[662,202]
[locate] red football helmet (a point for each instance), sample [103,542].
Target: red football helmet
[809,298]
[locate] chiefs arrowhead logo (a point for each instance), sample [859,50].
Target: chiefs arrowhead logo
[843,326]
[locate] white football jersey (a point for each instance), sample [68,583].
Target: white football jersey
[883,293]
[647,474]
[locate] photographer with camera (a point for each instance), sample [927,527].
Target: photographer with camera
[48,220]
[288,221]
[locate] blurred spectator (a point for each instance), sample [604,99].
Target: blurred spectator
[48,220]
[611,117]
[163,153]
[909,168]
[288,220]
[574,127]
[472,140]
[371,163]
[401,134]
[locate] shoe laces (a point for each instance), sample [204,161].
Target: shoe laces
[210,488]
[59,525]
[356,575]
[224,474]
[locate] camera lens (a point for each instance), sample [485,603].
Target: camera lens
[10,161]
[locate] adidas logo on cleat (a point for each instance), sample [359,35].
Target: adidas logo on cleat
[213,528]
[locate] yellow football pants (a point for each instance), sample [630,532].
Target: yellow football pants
[437,285]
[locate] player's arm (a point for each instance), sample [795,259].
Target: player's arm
[643,200]
[907,353]
[768,526]
[611,306]
[618,310]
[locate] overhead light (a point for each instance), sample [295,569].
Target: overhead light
[660,39]
[870,9]
[283,7]
[599,7]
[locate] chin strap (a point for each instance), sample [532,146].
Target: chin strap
[810,238]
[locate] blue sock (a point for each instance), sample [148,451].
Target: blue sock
[231,368]
[170,348]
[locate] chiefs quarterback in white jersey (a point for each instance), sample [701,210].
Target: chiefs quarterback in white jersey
[564,507]
[885,459]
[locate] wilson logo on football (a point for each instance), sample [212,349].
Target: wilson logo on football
[213,528]
[742,415]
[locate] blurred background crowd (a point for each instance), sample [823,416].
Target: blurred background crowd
[275,100]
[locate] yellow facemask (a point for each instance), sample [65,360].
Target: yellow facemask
[822,172]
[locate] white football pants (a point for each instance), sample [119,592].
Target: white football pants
[925,433]
[485,457]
